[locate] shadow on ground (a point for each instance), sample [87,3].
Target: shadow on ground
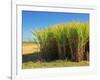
[35,57]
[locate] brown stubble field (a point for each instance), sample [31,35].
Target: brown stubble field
[29,48]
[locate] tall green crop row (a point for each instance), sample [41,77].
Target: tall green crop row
[70,39]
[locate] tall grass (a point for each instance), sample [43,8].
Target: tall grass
[70,39]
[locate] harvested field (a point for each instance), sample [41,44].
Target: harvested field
[29,48]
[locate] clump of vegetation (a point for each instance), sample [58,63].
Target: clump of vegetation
[68,40]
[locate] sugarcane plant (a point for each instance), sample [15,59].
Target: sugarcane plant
[70,38]
[40,37]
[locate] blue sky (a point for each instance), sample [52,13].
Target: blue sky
[32,20]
